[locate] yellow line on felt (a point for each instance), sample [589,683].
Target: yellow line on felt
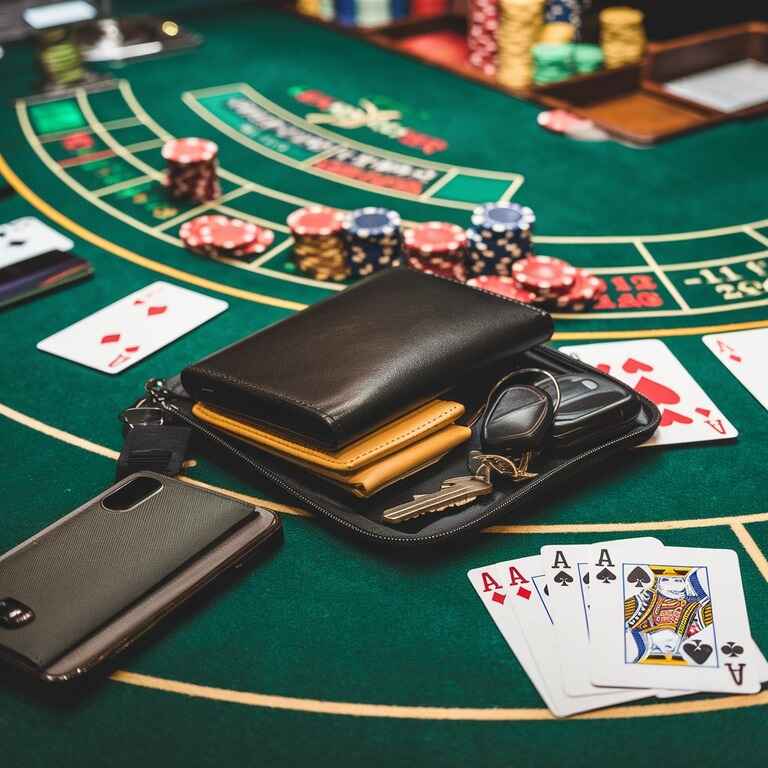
[109,453]
[750,545]
[697,330]
[646,254]
[406,712]
[58,434]
[119,185]
[177,274]
[651,525]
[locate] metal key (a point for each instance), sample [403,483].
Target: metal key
[454,492]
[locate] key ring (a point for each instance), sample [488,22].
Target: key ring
[505,379]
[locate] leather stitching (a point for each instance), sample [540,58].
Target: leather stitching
[269,394]
[306,451]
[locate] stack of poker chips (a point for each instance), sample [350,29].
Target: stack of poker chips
[318,246]
[191,169]
[222,237]
[553,62]
[547,282]
[587,58]
[519,31]
[363,13]
[60,57]
[557,32]
[566,11]
[435,247]
[500,235]
[482,28]
[622,36]
[372,240]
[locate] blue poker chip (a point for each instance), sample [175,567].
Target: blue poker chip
[503,217]
[372,222]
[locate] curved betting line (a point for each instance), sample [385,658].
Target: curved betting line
[186,277]
[117,250]
[406,712]
[658,525]
[370,710]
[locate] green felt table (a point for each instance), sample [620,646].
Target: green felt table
[329,653]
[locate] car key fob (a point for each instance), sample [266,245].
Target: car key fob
[517,420]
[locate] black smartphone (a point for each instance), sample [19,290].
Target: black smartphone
[593,409]
[87,586]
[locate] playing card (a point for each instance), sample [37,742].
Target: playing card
[566,569]
[669,617]
[28,237]
[743,353]
[688,415]
[529,598]
[121,334]
[489,582]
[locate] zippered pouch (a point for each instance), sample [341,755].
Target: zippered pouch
[364,517]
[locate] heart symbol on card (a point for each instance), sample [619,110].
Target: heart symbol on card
[703,411]
[657,393]
[633,366]
[157,310]
[669,417]
[110,338]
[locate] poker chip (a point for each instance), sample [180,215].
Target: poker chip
[504,286]
[372,240]
[191,169]
[544,274]
[500,234]
[189,150]
[434,237]
[224,237]
[585,289]
[318,245]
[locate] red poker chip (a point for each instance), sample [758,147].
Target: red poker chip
[585,289]
[504,286]
[451,271]
[189,150]
[435,237]
[264,239]
[218,231]
[316,220]
[544,274]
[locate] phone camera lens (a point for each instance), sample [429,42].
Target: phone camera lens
[14,614]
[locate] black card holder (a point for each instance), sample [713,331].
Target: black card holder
[364,517]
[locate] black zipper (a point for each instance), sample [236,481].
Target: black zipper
[157,392]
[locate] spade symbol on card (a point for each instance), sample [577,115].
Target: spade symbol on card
[563,579]
[585,578]
[606,576]
[698,651]
[638,577]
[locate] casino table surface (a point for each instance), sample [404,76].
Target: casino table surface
[331,652]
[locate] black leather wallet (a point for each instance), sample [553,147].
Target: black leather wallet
[345,366]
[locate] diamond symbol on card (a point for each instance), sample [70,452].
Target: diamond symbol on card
[156,310]
[110,338]
[524,593]
[132,349]
[499,597]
